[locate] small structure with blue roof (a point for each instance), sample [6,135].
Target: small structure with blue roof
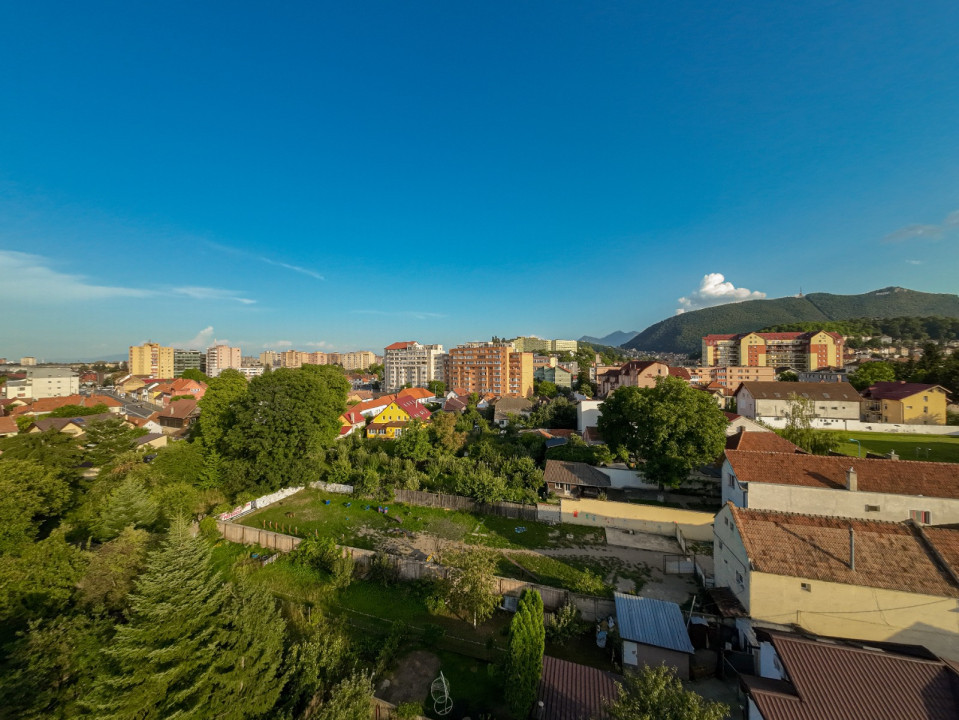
[653,633]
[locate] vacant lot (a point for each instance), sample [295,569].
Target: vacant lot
[909,447]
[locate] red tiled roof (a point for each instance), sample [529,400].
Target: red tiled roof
[400,345]
[180,409]
[891,556]
[760,442]
[570,691]
[679,372]
[45,405]
[412,408]
[417,393]
[829,681]
[896,477]
[897,390]
[8,425]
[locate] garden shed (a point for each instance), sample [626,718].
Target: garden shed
[653,633]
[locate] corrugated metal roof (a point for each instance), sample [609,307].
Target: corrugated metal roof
[574,692]
[652,622]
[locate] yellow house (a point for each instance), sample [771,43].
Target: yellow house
[386,430]
[834,576]
[391,413]
[905,403]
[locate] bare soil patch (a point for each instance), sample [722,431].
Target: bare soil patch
[412,678]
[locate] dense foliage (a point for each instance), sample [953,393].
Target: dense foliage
[655,693]
[524,660]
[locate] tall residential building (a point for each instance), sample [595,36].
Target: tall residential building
[44,382]
[187,360]
[485,367]
[28,361]
[801,351]
[358,360]
[270,359]
[410,362]
[222,357]
[535,344]
[151,360]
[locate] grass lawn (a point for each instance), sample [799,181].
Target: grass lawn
[934,448]
[475,691]
[356,522]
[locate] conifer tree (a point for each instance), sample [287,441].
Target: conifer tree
[128,504]
[524,661]
[161,663]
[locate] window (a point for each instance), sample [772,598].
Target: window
[872,508]
[920,516]
[806,586]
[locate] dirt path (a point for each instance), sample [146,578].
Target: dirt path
[411,681]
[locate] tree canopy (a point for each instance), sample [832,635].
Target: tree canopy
[655,693]
[672,427]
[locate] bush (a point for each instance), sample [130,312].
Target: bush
[323,554]
[208,528]
[565,625]
[383,570]
[409,710]
[589,583]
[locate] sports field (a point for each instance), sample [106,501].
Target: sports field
[936,448]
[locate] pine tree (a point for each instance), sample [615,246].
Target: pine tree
[128,504]
[524,661]
[250,667]
[161,664]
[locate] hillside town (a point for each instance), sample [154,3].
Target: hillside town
[808,520]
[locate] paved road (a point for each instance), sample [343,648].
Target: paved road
[130,407]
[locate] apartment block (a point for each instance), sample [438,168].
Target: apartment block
[731,376]
[28,361]
[222,357]
[151,360]
[187,360]
[804,352]
[270,359]
[490,368]
[535,344]
[43,383]
[409,362]
[357,360]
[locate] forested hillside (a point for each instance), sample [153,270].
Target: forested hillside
[683,333]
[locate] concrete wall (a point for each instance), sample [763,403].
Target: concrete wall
[859,426]
[642,518]
[624,478]
[587,414]
[636,655]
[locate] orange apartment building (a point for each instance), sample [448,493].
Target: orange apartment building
[490,368]
[801,351]
[732,376]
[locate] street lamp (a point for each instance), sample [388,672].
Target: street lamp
[858,447]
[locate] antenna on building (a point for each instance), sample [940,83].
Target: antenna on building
[800,291]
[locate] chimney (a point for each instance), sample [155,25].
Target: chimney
[852,549]
[852,480]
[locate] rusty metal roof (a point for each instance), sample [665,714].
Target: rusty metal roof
[570,691]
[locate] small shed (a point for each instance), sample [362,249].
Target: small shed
[653,633]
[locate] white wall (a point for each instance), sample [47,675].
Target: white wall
[730,557]
[587,414]
[622,478]
[858,426]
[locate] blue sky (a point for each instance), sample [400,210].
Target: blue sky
[345,175]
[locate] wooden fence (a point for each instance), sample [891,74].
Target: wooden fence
[407,568]
[516,511]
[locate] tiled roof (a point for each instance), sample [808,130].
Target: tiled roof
[455,405]
[45,405]
[45,424]
[760,442]
[8,425]
[574,473]
[413,408]
[946,542]
[897,390]
[681,373]
[143,440]
[570,691]
[891,556]
[180,409]
[895,477]
[652,622]
[417,393]
[841,391]
[829,681]
[400,345]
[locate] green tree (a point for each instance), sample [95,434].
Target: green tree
[284,420]
[69,411]
[437,387]
[163,662]
[870,373]
[800,412]
[524,660]
[29,494]
[656,693]
[414,443]
[180,462]
[194,374]
[443,433]
[672,427]
[787,376]
[546,389]
[112,569]
[218,407]
[109,438]
[52,449]
[129,504]
[350,699]
[315,663]
[470,589]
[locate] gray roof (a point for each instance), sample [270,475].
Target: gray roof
[574,473]
[776,390]
[652,622]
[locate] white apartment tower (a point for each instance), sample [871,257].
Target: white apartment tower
[410,362]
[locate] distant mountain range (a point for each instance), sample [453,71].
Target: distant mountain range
[684,333]
[614,339]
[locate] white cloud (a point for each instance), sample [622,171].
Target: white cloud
[278,344]
[320,344]
[294,268]
[715,290]
[924,232]
[27,277]
[201,341]
[207,293]
[914,262]
[269,261]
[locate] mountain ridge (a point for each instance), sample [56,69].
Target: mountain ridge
[683,333]
[617,338]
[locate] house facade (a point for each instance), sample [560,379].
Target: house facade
[772,400]
[905,403]
[800,351]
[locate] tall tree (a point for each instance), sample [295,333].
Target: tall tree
[29,494]
[524,660]
[128,504]
[218,407]
[109,438]
[656,693]
[672,427]
[799,430]
[350,699]
[282,423]
[869,373]
[162,662]
[112,569]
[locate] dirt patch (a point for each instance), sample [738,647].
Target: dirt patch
[411,681]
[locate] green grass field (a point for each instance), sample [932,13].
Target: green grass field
[349,522]
[934,448]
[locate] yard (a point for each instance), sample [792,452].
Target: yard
[934,448]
